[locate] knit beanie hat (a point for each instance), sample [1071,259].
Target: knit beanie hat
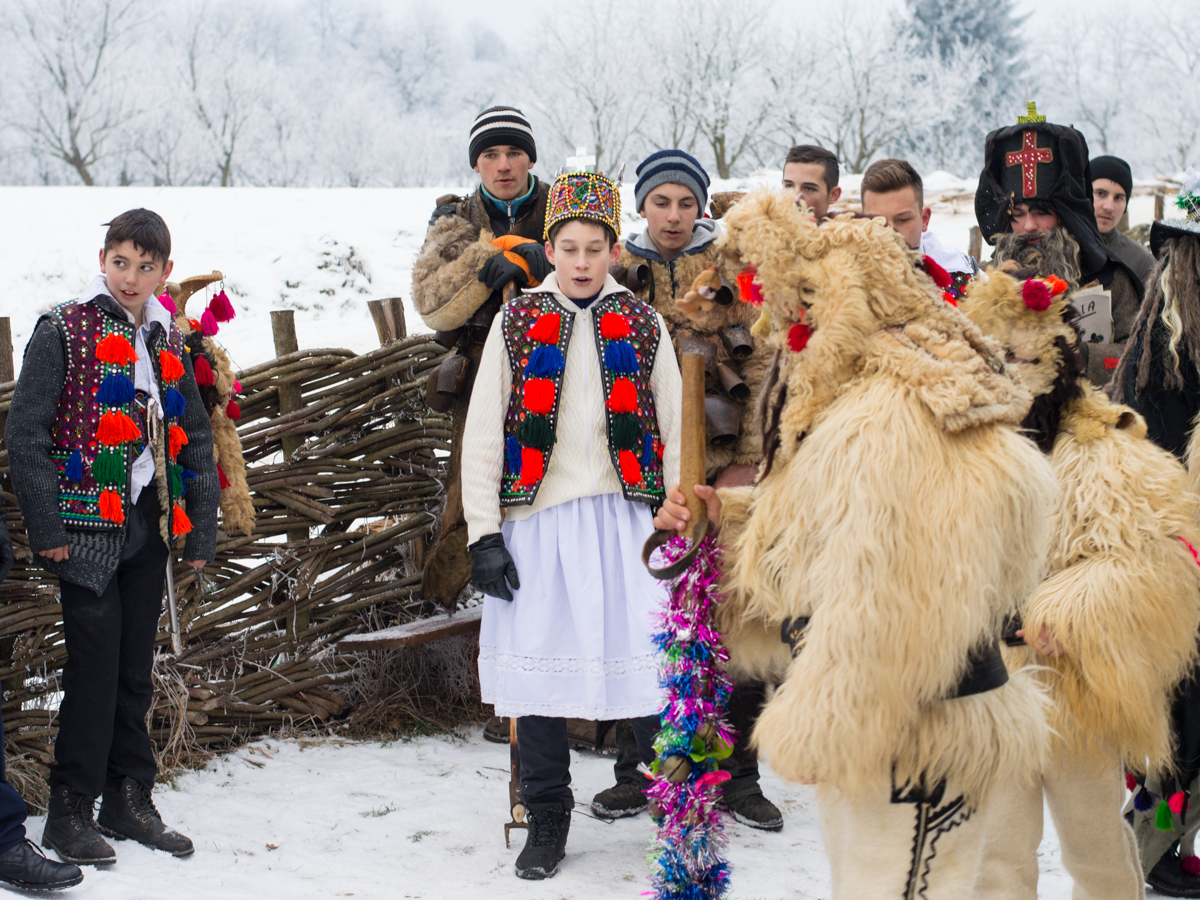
[671,167]
[501,125]
[1114,169]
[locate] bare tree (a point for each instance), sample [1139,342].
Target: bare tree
[78,98]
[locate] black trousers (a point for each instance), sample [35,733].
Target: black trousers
[745,703]
[12,807]
[546,759]
[107,688]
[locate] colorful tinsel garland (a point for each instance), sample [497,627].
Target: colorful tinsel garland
[686,856]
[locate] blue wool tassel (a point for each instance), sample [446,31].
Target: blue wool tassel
[620,358]
[512,453]
[174,403]
[115,390]
[74,467]
[648,451]
[186,475]
[1142,800]
[544,362]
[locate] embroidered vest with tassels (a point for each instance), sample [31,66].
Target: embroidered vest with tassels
[99,429]
[537,330]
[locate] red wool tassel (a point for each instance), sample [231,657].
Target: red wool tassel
[221,308]
[939,275]
[748,290]
[798,335]
[538,396]
[204,372]
[176,441]
[116,350]
[110,507]
[195,323]
[1190,864]
[208,323]
[1036,295]
[168,304]
[623,398]
[237,386]
[1177,802]
[170,366]
[180,523]
[614,326]
[221,478]
[233,411]
[631,472]
[546,329]
[533,466]
[1131,783]
[949,298]
[116,428]
[1057,285]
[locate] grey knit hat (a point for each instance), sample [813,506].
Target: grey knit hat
[501,125]
[671,167]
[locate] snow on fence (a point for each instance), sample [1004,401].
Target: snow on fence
[342,464]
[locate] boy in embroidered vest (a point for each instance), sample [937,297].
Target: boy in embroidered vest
[572,429]
[106,435]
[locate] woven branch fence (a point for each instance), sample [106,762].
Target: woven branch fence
[343,466]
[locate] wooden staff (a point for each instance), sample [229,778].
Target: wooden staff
[516,790]
[691,469]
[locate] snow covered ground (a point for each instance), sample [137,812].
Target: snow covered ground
[424,819]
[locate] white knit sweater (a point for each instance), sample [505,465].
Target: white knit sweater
[580,465]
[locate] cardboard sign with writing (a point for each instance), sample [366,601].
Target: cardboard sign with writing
[1094,306]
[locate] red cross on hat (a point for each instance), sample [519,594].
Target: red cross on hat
[1028,158]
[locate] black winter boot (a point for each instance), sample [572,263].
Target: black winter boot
[25,867]
[128,812]
[625,798]
[546,844]
[1168,877]
[756,811]
[71,829]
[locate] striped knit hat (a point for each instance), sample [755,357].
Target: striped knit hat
[501,125]
[671,167]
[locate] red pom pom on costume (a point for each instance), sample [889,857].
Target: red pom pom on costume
[939,275]
[180,523]
[177,440]
[748,290]
[110,507]
[631,472]
[204,372]
[208,323]
[1190,864]
[221,479]
[221,308]
[798,336]
[533,466]
[949,298]
[1036,295]
[195,323]
[116,428]
[116,350]
[614,326]
[233,411]
[171,367]
[1131,782]
[623,398]
[546,329]
[1177,802]
[538,396]
[1057,285]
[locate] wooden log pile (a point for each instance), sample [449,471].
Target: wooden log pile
[343,463]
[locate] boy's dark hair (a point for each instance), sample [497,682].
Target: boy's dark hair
[887,175]
[145,228]
[557,227]
[812,154]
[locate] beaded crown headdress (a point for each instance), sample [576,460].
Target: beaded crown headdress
[583,195]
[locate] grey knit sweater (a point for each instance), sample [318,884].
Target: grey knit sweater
[93,556]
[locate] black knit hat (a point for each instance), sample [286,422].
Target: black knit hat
[501,126]
[1114,169]
[1045,166]
[671,167]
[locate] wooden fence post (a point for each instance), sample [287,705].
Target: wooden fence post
[283,329]
[1158,205]
[975,245]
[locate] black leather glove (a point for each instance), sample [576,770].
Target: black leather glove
[534,255]
[499,271]
[491,566]
[6,548]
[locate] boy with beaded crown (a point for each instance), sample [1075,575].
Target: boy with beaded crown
[106,435]
[573,429]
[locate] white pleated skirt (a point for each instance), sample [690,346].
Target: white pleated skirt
[575,640]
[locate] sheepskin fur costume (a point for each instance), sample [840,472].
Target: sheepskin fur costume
[1122,592]
[899,509]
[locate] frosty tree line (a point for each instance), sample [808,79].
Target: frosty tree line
[334,93]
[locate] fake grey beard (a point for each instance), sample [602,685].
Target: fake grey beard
[1055,253]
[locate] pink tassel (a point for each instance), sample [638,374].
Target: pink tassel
[1190,864]
[237,386]
[208,323]
[1177,801]
[221,308]
[168,304]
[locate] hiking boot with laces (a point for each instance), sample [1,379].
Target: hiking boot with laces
[756,811]
[546,843]
[128,812]
[625,798]
[71,829]
[26,868]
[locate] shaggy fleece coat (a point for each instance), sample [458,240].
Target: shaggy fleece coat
[1122,591]
[899,508]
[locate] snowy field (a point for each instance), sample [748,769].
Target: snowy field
[424,819]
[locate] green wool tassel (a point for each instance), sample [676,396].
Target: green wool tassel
[1163,820]
[175,473]
[109,467]
[536,432]
[626,432]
